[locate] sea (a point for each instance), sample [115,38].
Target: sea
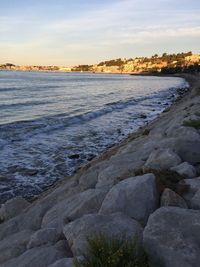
[51,123]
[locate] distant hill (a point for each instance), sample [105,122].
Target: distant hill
[166,63]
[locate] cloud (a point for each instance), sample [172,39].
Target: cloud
[109,27]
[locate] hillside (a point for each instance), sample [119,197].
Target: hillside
[166,63]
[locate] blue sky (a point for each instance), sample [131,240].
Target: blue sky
[62,32]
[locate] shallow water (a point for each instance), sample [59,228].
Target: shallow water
[50,123]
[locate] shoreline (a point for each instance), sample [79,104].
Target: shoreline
[114,148]
[16,130]
[141,188]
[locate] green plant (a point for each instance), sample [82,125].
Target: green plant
[192,123]
[112,252]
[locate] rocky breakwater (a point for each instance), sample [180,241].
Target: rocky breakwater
[146,189]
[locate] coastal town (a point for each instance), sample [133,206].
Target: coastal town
[187,61]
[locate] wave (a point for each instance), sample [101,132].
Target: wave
[62,120]
[25,104]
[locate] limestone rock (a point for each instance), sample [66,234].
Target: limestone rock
[195,201]
[170,198]
[172,237]
[188,150]
[74,207]
[12,207]
[136,196]
[194,186]
[65,262]
[114,225]
[89,178]
[162,159]
[185,169]
[37,257]
[31,217]
[42,237]
[14,245]
[110,175]
[186,132]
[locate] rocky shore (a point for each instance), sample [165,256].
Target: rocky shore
[146,188]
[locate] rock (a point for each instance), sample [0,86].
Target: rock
[184,132]
[185,169]
[170,198]
[65,262]
[110,175]
[37,257]
[172,237]
[12,208]
[74,156]
[74,207]
[89,179]
[14,245]
[88,226]
[31,217]
[188,150]
[194,186]
[195,201]
[162,159]
[42,237]
[136,196]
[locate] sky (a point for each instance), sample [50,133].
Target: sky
[71,32]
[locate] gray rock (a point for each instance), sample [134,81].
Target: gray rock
[31,218]
[170,198]
[12,207]
[14,245]
[89,178]
[42,237]
[74,207]
[194,186]
[188,150]
[65,262]
[110,175]
[172,237]
[114,225]
[37,257]
[185,169]
[136,196]
[186,132]
[162,159]
[195,201]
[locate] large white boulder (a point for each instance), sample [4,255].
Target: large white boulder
[42,237]
[114,225]
[162,159]
[136,196]
[12,207]
[74,207]
[172,237]
[14,245]
[38,257]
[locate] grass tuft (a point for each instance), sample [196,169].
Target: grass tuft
[113,252]
[192,123]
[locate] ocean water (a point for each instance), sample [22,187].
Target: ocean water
[51,123]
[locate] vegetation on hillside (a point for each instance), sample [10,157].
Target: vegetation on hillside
[164,64]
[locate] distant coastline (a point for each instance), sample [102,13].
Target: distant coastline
[166,64]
